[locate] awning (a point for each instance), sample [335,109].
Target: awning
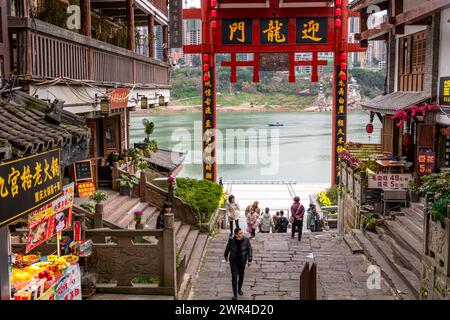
[393,102]
[27,126]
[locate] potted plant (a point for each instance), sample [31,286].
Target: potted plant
[107,283]
[137,217]
[126,184]
[141,282]
[413,190]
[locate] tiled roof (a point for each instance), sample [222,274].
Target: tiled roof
[393,102]
[26,130]
[166,159]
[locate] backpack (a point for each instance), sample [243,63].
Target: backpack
[282,224]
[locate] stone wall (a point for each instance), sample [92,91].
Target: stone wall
[349,213]
[436,264]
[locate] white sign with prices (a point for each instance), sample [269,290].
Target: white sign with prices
[390,180]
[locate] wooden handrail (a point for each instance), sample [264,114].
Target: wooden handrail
[67,35]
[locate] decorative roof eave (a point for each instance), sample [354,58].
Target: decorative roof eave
[393,102]
[26,128]
[359,5]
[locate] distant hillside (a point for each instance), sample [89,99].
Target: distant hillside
[273,89]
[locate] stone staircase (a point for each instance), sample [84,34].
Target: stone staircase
[190,243]
[397,248]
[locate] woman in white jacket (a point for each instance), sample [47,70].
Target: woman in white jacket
[266,222]
[233,213]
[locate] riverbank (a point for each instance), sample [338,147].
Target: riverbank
[224,109]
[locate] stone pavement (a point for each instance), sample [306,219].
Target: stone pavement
[278,261]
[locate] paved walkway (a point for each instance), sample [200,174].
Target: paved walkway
[278,261]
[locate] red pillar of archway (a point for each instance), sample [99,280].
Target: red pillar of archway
[209,95]
[340,85]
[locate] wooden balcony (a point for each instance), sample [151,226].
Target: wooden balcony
[45,51]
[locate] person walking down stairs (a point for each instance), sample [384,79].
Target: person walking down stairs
[266,222]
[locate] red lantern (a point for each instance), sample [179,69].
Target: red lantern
[213,3]
[338,23]
[205,67]
[344,56]
[213,14]
[338,3]
[206,57]
[338,12]
[214,24]
[369,128]
[206,77]
[343,66]
[343,76]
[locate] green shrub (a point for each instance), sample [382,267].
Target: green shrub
[204,196]
[439,209]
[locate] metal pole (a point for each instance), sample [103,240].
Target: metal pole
[5,256]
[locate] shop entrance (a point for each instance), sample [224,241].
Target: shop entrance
[106,139]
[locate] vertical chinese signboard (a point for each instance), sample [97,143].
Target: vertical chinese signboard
[29,183]
[209,124]
[426,163]
[340,139]
[176,23]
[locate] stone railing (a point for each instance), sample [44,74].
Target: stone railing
[156,196]
[125,256]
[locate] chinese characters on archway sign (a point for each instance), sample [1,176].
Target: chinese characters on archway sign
[208,128]
[426,163]
[275,31]
[28,183]
[341,119]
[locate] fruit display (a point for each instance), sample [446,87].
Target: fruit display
[71,259]
[32,276]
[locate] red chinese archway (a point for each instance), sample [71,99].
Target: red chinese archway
[272,29]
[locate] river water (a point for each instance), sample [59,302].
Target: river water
[300,151]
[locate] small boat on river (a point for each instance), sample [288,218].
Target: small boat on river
[277,124]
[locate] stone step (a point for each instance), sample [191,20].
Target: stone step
[188,246]
[419,213]
[151,222]
[407,222]
[403,257]
[122,212]
[127,220]
[111,205]
[197,254]
[150,214]
[354,246]
[401,289]
[407,276]
[404,237]
[115,210]
[181,236]
[177,225]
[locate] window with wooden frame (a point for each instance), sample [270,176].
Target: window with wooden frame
[412,54]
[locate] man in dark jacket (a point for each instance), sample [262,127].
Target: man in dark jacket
[238,252]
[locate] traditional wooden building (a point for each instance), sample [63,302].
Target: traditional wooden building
[416,34]
[415,139]
[96,56]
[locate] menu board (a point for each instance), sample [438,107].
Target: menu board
[83,170]
[392,181]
